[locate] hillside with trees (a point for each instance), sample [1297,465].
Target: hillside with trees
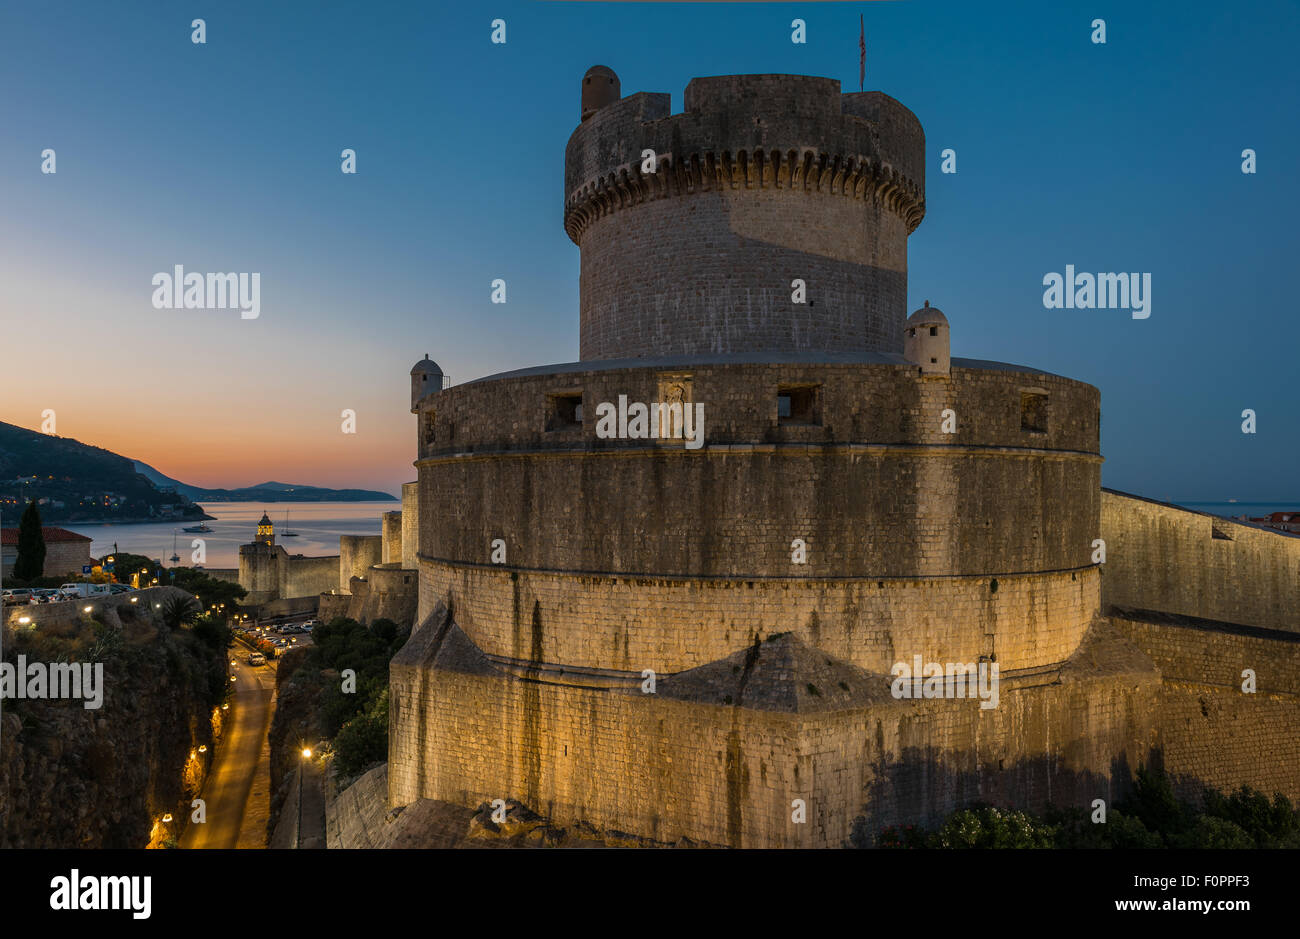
[74,482]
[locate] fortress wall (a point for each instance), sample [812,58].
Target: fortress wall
[857,487]
[387,593]
[1222,738]
[391,534]
[357,554]
[630,623]
[667,769]
[1213,732]
[1159,557]
[260,571]
[332,606]
[863,402]
[410,524]
[644,294]
[307,577]
[736,514]
[230,574]
[1198,653]
[656,769]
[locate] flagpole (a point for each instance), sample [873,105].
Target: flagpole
[862,52]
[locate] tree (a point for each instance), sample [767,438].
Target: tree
[177,610]
[30,562]
[210,590]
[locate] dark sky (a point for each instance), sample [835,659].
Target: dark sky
[1117,157]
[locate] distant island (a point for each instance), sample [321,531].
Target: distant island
[263,492]
[74,482]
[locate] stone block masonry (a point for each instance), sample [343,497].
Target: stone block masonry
[1212,732]
[668,768]
[1166,558]
[671,624]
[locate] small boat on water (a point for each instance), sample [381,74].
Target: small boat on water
[196,529]
[287,533]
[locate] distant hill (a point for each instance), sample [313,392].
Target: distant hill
[75,482]
[263,492]
[72,481]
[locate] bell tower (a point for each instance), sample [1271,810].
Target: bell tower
[265,531]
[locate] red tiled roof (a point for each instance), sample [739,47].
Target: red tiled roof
[52,535]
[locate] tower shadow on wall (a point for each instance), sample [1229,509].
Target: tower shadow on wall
[918,790]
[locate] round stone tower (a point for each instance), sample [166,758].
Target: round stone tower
[771,215]
[846,496]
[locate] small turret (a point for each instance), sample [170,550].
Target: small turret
[426,378]
[926,341]
[600,86]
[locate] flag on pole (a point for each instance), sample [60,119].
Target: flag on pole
[862,52]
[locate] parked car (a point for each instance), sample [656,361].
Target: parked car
[256,658]
[86,590]
[18,595]
[120,588]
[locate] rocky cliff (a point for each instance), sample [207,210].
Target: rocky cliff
[105,777]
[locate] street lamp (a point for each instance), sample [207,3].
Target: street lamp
[302,769]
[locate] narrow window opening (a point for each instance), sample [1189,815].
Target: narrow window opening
[1033,412]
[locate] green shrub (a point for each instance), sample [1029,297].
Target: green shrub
[989,827]
[1268,824]
[364,739]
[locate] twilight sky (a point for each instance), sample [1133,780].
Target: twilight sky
[225,157]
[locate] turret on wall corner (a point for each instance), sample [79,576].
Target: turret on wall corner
[426,378]
[926,341]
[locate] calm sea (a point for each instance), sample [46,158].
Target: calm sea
[318,524]
[1237,509]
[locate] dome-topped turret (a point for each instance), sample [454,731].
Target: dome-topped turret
[427,366]
[927,316]
[426,378]
[600,86]
[926,341]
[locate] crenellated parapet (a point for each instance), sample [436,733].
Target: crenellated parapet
[733,135]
